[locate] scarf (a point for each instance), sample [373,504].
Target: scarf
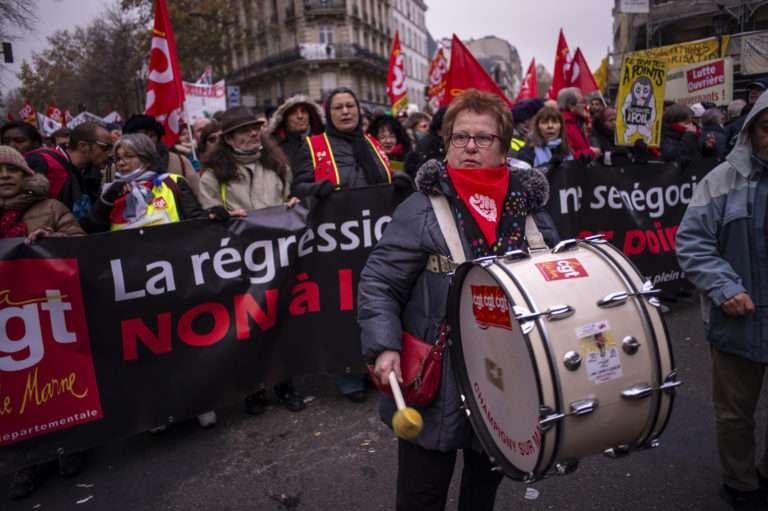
[11,224]
[246,157]
[362,152]
[133,205]
[482,191]
[543,153]
[397,153]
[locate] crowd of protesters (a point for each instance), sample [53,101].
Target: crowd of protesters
[96,178]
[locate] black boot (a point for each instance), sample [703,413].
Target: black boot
[71,465]
[287,395]
[256,403]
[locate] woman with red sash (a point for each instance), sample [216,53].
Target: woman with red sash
[342,158]
[400,292]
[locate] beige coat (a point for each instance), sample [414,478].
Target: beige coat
[40,212]
[255,188]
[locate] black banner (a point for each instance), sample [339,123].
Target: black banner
[637,207]
[120,332]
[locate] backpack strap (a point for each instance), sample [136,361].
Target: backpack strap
[448,227]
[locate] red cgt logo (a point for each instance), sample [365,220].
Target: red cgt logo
[47,379]
[490,307]
[562,269]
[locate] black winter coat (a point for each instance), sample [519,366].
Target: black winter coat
[431,147]
[396,293]
[679,146]
[350,173]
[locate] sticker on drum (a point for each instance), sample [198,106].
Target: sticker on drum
[490,307]
[562,269]
[601,352]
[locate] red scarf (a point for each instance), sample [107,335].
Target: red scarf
[483,192]
[11,224]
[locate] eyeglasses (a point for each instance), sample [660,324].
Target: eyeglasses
[482,140]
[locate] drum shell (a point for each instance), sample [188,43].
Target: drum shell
[616,421]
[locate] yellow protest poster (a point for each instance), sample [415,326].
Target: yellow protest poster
[676,55]
[640,103]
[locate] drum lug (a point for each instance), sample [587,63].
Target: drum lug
[617,452]
[553,313]
[651,444]
[572,360]
[639,391]
[670,382]
[566,467]
[630,345]
[598,239]
[583,406]
[620,297]
[548,417]
[521,312]
[516,254]
[485,261]
[565,245]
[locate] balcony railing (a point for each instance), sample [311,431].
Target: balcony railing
[317,7]
[308,53]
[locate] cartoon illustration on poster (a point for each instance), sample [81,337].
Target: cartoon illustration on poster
[641,102]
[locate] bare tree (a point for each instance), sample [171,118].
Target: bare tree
[16,16]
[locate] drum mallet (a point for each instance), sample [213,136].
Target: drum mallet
[407,422]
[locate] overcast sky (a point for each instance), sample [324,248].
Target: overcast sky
[530,25]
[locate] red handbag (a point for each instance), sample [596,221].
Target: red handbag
[421,364]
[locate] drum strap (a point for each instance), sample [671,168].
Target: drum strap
[533,235]
[448,228]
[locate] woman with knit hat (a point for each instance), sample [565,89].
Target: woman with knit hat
[27,212]
[25,209]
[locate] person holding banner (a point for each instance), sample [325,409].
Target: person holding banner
[404,288]
[722,247]
[344,157]
[247,172]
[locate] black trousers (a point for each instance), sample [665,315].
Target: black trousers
[423,478]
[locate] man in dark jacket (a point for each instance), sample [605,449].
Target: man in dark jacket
[430,147]
[732,130]
[722,248]
[296,119]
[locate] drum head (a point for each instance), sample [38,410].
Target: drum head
[495,370]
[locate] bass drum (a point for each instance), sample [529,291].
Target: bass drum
[560,354]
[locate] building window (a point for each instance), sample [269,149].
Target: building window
[326,34]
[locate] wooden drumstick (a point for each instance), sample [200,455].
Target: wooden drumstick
[407,421]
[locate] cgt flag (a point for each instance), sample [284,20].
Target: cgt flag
[467,73]
[529,87]
[581,76]
[165,92]
[561,77]
[438,71]
[28,113]
[397,89]
[55,114]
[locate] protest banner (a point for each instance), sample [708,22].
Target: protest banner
[754,53]
[676,55]
[640,102]
[204,100]
[709,81]
[638,208]
[109,335]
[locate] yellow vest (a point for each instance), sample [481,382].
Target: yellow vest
[162,209]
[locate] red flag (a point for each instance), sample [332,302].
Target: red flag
[28,114]
[529,87]
[561,77]
[438,71]
[55,114]
[466,73]
[397,88]
[165,92]
[581,76]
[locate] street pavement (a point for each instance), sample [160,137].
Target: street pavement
[336,455]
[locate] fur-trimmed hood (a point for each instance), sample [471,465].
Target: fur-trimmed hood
[33,189]
[276,128]
[533,180]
